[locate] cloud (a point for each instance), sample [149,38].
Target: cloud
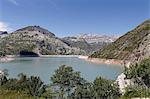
[4,26]
[14,2]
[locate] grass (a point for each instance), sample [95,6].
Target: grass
[7,94]
[12,94]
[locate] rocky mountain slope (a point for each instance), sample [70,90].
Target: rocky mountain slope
[3,34]
[95,38]
[89,42]
[134,46]
[35,39]
[76,42]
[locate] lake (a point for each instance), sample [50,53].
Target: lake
[45,67]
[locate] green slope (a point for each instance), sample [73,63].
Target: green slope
[124,46]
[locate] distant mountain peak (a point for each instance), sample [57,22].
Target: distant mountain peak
[89,37]
[37,29]
[3,34]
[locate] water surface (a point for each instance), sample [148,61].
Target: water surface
[45,67]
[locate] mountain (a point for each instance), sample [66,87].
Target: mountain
[36,30]
[3,34]
[134,46]
[77,42]
[85,43]
[95,38]
[35,39]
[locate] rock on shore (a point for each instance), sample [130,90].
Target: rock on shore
[105,61]
[6,59]
[123,83]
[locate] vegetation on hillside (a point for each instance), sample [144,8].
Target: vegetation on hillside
[38,40]
[12,45]
[125,46]
[140,74]
[88,47]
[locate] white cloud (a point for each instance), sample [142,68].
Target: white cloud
[4,26]
[14,2]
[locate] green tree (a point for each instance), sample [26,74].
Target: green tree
[83,92]
[3,76]
[2,53]
[104,89]
[140,73]
[49,93]
[35,86]
[32,86]
[22,77]
[136,91]
[66,80]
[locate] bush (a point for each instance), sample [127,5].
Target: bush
[136,92]
[140,72]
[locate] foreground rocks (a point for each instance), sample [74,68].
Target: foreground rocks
[123,83]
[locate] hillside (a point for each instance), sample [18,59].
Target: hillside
[82,43]
[134,46]
[3,34]
[35,39]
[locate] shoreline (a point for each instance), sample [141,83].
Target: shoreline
[102,61]
[106,61]
[93,60]
[59,56]
[7,58]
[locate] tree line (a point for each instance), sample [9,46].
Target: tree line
[65,84]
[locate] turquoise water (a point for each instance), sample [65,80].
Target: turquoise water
[45,67]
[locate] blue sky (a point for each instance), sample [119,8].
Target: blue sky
[71,17]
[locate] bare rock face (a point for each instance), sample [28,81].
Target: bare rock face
[123,82]
[95,38]
[142,52]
